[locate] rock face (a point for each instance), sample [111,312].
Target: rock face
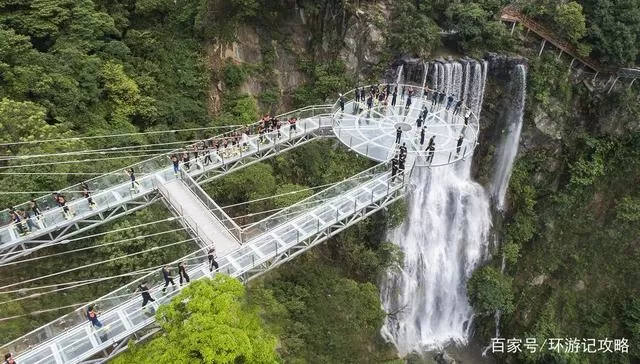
[364,40]
[354,35]
[444,358]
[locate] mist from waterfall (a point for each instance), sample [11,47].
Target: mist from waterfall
[507,149]
[444,237]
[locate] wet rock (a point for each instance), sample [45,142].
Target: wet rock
[444,358]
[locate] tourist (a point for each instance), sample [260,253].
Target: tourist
[17,220]
[185,160]
[459,145]
[394,168]
[35,209]
[441,98]
[393,97]
[207,158]
[292,125]
[62,202]
[8,359]
[135,186]
[212,259]
[341,100]
[458,106]
[466,117]
[87,195]
[398,134]
[146,296]
[403,151]
[93,317]
[357,92]
[419,121]
[182,272]
[431,150]
[166,274]
[450,100]
[422,131]
[176,164]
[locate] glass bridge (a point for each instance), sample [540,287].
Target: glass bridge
[244,253]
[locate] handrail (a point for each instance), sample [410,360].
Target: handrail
[119,297]
[510,13]
[212,206]
[46,202]
[299,207]
[52,217]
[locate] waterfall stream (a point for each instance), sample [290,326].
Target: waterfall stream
[507,148]
[445,235]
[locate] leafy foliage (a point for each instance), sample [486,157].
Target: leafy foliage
[209,321]
[326,81]
[325,318]
[570,20]
[475,25]
[613,30]
[412,31]
[489,290]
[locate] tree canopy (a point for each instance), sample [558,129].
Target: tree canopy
[209,321]
[489,291]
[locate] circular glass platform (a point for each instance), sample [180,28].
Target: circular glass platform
[373,132]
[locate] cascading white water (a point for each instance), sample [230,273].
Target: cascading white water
[443,238]
[399,77]
[424,76]
[508,145]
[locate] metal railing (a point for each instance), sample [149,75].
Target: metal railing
[213,207]
[235,263]
[109,186]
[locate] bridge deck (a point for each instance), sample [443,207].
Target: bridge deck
[72,339]
[207,228]
[53,227]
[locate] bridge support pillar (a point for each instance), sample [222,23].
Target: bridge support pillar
[571,64]
[632,81]
[594,77]
[544,42]
[513,27]
[559,55]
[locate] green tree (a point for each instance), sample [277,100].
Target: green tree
[411,30]
[570,20]
[476,28]
[209,321]
[489,290]
[331,319]
[613,30]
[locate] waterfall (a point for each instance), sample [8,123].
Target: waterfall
[424,77]
[508,144]
[399,77]
[444,238]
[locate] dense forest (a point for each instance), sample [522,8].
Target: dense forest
[155,75]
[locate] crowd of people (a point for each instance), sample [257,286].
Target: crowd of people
[438,98]
[145,292]
[199,154]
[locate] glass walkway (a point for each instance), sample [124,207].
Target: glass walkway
[270,242]
[115,197]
